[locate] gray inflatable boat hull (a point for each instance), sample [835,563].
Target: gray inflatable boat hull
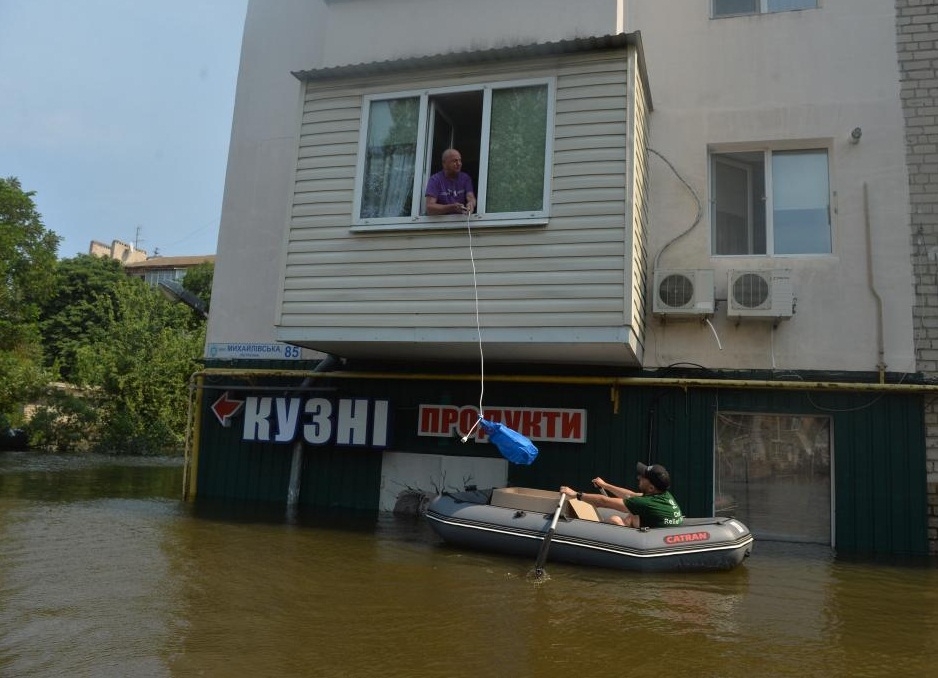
[470,520]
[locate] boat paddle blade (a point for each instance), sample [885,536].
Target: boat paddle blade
[545,545]
[514,447]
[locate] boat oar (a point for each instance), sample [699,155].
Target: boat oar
[545,545]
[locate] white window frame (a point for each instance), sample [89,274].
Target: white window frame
[763,8]
[767,152]
[416,220]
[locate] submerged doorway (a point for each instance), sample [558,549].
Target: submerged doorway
[773,472]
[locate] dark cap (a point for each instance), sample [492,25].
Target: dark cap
[656,473]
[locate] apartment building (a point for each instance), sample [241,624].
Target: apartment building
[704,238]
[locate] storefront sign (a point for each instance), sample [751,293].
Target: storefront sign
[555,425]
[357,422]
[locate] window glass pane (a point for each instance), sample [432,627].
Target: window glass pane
[738,205]
[517,140]
[390,154]
[786,5]
[728,7]
[456,122]
[731,208]
[773,472]
[800,195]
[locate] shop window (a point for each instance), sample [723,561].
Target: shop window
[773,472]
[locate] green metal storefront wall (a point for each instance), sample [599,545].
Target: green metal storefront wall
[878,442]
[879,482]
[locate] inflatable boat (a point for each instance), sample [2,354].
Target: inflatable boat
[516,520]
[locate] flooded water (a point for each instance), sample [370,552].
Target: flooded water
[105,572]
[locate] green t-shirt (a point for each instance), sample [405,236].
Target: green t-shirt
[656,510]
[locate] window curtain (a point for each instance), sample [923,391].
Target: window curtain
[389,181]
[517,140]
[387,189]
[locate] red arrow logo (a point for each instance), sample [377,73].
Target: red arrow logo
[225,408]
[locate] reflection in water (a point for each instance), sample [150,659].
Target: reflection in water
[104,572]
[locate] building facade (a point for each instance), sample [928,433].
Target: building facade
[917,38]
[702,239]
[154,270]
[118,249]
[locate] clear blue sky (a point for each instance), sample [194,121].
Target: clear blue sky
[117,113]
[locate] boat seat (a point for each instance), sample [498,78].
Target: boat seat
[541,501]
[525,499]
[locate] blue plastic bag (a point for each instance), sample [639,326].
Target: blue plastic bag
[514,447]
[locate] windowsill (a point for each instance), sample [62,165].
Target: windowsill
[447,223]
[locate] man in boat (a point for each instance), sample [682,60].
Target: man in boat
[652,506]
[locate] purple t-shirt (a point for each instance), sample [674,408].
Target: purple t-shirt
[449,191]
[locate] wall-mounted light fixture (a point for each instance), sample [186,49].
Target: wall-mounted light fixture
[855,135]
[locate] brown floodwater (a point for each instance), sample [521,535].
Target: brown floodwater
[104,571]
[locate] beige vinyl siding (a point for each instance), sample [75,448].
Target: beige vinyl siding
[567,274]
[638,144]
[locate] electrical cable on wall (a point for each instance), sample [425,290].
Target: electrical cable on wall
[696,200]
[690,228]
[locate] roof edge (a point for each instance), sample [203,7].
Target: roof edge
[527,51]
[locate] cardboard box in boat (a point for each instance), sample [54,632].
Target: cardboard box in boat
[541,501]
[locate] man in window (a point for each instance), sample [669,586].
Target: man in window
[450,190]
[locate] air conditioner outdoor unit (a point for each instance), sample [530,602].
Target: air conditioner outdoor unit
[687,293]
[760,294]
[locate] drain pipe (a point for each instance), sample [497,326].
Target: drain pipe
[327,364]
[880,343]
[612,382]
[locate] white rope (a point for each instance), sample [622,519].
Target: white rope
[475,287]
[715,335]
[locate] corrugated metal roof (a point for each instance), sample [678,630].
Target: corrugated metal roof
[515,52]
[171,262]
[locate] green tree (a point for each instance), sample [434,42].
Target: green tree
[27,268]
[138,374]
[198,280]
[77,313]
